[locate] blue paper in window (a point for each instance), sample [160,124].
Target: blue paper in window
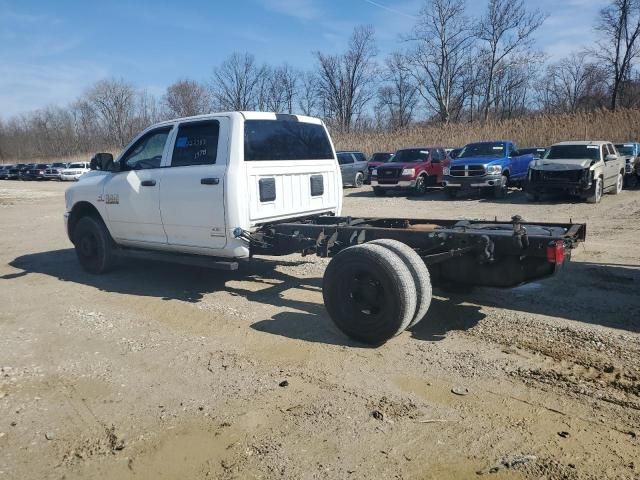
[182,142]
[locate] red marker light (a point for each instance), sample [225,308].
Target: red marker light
[555,252]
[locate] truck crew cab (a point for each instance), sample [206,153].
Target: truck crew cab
[216,189]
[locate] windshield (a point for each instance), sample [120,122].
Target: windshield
[482,150]
[573,152]
[76,165]
[57,165]
[381,157]
[410,155]
[625,149]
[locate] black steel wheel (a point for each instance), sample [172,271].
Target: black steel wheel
[93,244]
[369,293]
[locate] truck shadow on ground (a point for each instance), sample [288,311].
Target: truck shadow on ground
[586,292]
[259,281]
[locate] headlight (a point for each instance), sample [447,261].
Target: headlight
[445,171]
[408,172]
[374,172]
[494,170]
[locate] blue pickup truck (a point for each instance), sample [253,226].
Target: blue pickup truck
[490,166]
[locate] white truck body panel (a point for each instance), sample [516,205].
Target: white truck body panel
[194,208]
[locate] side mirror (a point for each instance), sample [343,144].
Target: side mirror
[435,160]
[514,153]
[102,161]
[610,157]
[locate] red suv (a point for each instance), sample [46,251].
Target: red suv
[411,170]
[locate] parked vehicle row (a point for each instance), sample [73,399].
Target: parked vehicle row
[586,169]
[44,171]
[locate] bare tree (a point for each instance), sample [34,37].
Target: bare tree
[235,82]
[345,81]
[619,25]
[399,96]
[507,29]
[283,88]
[443,39]
[569,82]
[186,98]
[113,101]
[308,93]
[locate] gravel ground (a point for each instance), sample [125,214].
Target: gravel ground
[161,371]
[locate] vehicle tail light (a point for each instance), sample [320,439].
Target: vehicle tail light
[555,252]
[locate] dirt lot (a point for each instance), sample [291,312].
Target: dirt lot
[158,371]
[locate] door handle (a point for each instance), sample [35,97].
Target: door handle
[148,183]
[210,181]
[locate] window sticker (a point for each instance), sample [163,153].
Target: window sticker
[593,146]
[498,148]
[182,142]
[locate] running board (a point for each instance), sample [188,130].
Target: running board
[215,263]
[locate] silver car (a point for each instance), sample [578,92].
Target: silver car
[353,166]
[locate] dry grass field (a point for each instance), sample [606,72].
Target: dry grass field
[538,130]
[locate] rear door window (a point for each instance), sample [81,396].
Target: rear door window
[345,158]
[285,140]
[196,144]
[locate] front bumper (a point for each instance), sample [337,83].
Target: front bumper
[399,185]
[556,187]
[485,181]
[70,177]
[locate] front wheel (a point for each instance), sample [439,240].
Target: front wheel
[500,190]
[421,186]
[369,293]
[619,184]
[93,244]
[595,195]
[359,180]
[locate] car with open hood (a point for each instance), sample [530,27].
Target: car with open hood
[586,169]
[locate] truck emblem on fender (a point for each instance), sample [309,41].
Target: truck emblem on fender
[110,199]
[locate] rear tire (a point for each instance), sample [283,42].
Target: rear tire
[419,272]
[595,195]
[359,180]
[379,192]
[369,293]
[93,244]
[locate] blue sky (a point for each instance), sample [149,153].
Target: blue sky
[50,51]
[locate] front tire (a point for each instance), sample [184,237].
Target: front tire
[619,184]
[369,293]
[93,245]
[596,191]
[421,186]
[419,272]
[500,191]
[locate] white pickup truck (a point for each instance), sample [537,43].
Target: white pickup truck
[216,189]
